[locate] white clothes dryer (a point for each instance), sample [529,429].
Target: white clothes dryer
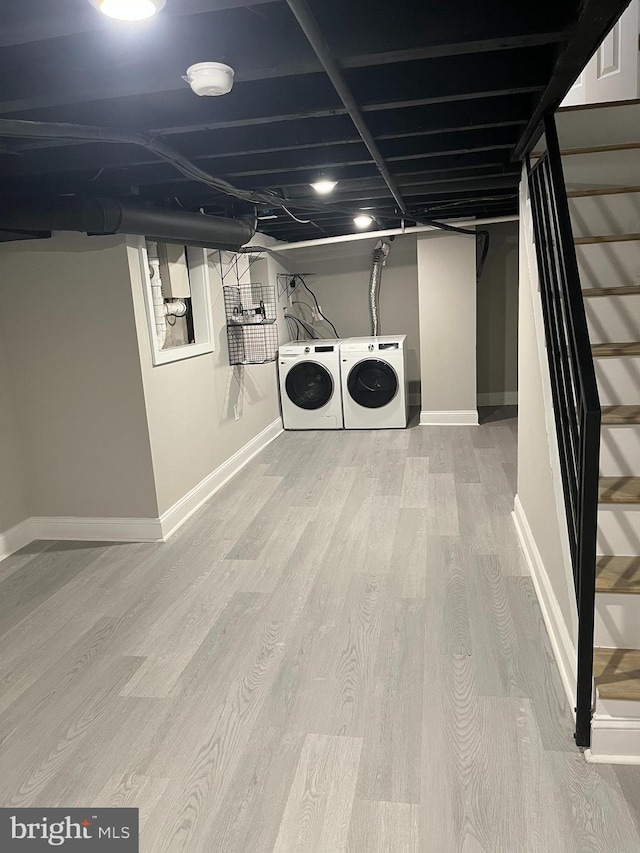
[310,390]
[374,391]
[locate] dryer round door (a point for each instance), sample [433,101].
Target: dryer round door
[372,383]
[309,385]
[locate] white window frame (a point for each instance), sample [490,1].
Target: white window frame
[200,304]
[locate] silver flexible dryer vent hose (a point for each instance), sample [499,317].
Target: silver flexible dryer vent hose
[380,253]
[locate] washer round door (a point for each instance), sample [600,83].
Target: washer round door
[372,383]
[309,385]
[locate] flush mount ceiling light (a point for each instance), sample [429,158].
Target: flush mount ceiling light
[324,186]
[210,79]
[129,10]
[362,221]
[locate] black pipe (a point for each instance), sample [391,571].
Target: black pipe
[108,216]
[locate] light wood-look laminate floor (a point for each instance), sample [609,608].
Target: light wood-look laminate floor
[342,651]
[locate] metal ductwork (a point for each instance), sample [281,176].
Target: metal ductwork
[109,216]
[380,254]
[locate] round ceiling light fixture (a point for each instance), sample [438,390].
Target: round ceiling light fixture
[324,186]
[129,10]
[362,220]
[210,79]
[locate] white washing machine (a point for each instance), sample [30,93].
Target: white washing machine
[374,392]
[310,392]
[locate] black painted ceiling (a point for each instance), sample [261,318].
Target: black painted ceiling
[447,88]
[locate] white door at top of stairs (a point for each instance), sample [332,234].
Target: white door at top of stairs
[310,392]
[374,393]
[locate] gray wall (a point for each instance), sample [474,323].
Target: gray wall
[447,297]
[536,490]
[342,286]
[14,506]
[88,427]
[68,323]
[190,403]
[497,325]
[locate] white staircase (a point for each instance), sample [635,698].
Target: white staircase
[601,163]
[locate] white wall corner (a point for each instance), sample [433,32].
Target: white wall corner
[184,508]
[16,537]
[498,398]
[564,649]
[136,529]
[456,418]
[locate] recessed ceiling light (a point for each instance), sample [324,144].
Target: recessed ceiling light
[363,220]
[129,10]
[324,186]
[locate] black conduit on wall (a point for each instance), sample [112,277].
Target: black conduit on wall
[108,216]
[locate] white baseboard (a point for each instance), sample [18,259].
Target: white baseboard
[136,529]
[456,418]
[561,641]
[498,398]
[81,529]
[183,509]
[614,741]
[16,537]
[591,758]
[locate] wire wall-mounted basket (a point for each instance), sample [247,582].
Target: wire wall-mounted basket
[252,344]
[250,304]
[251,323]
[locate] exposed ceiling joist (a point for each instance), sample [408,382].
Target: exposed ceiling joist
[97,157]
[383,106]
[316,37]
[133,84]
[442,95]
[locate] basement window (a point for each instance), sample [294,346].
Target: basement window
[177,300]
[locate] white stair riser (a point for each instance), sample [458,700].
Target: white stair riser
[613,318]
[620,451]
[618,380]
[616,737]
[618,708]
[609,264]
[618,213]
[602,169]
[619,529]
[604,126]
[617,621]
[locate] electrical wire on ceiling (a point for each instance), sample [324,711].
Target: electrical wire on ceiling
[304,221]
[301,221]
[62,130]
